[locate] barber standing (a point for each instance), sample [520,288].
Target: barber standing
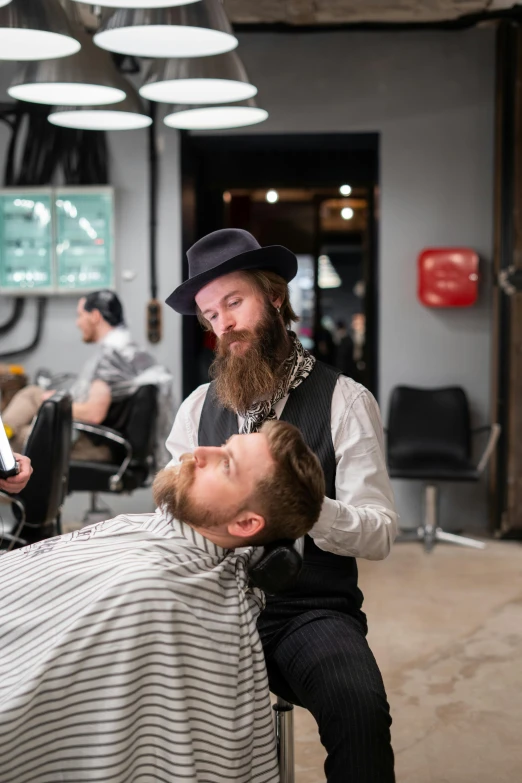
[314,636]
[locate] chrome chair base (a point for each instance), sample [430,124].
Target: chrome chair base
[429,532]
[98,512]
[284,728]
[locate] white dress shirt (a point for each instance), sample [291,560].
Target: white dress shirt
[361,521]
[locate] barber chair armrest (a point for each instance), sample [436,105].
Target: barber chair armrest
[279,566]
[494,434]
[115,482]
[13,538]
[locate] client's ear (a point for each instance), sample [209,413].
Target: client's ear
[246,525]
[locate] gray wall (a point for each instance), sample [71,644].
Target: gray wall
[430,96]
[61,348]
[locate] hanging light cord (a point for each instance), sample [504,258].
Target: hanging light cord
[153,202]
[18,309]
[41,308]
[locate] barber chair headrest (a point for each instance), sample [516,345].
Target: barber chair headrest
[278,568]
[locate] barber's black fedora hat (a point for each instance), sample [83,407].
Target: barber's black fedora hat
[224,251]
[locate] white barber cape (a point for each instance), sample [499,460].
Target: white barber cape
[129,654]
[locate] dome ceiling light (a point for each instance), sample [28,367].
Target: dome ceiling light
[215,117]
[35,30]
[198,80]
[126,115]
[199,29]
[139,3]
[87,78]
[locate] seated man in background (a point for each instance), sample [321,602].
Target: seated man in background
[129,649]
[111,374]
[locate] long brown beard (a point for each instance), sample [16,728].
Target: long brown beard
[253,375]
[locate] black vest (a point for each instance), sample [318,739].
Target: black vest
[327,581]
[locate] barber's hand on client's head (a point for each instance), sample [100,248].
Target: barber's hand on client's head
[15,484]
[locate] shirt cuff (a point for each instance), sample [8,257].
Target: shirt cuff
[327,517]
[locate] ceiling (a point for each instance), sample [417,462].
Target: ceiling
[345,12]
[332,13]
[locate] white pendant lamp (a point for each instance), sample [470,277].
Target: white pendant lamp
[199,29]
[198,80]
[126,115]
[4,2]
[87,78]
[35,30]
[139,3]
[215,117]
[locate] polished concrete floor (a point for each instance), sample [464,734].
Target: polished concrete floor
[446,629]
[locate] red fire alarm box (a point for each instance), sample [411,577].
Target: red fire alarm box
[448,277]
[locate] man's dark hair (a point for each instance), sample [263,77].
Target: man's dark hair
[108,305]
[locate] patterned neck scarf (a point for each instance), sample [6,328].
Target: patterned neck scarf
[297,368]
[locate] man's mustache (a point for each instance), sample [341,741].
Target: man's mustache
[187,470]
[226,340]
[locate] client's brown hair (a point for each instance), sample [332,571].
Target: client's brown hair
[290,499]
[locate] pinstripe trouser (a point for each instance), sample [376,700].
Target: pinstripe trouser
[321,660]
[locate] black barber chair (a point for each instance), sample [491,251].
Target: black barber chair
[131,438]
[430,439]
[37,508]
[275,571]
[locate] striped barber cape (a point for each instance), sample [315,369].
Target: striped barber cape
[129,654]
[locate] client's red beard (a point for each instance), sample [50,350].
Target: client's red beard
[254,373]
[171,491]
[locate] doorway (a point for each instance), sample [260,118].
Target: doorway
[315,194]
